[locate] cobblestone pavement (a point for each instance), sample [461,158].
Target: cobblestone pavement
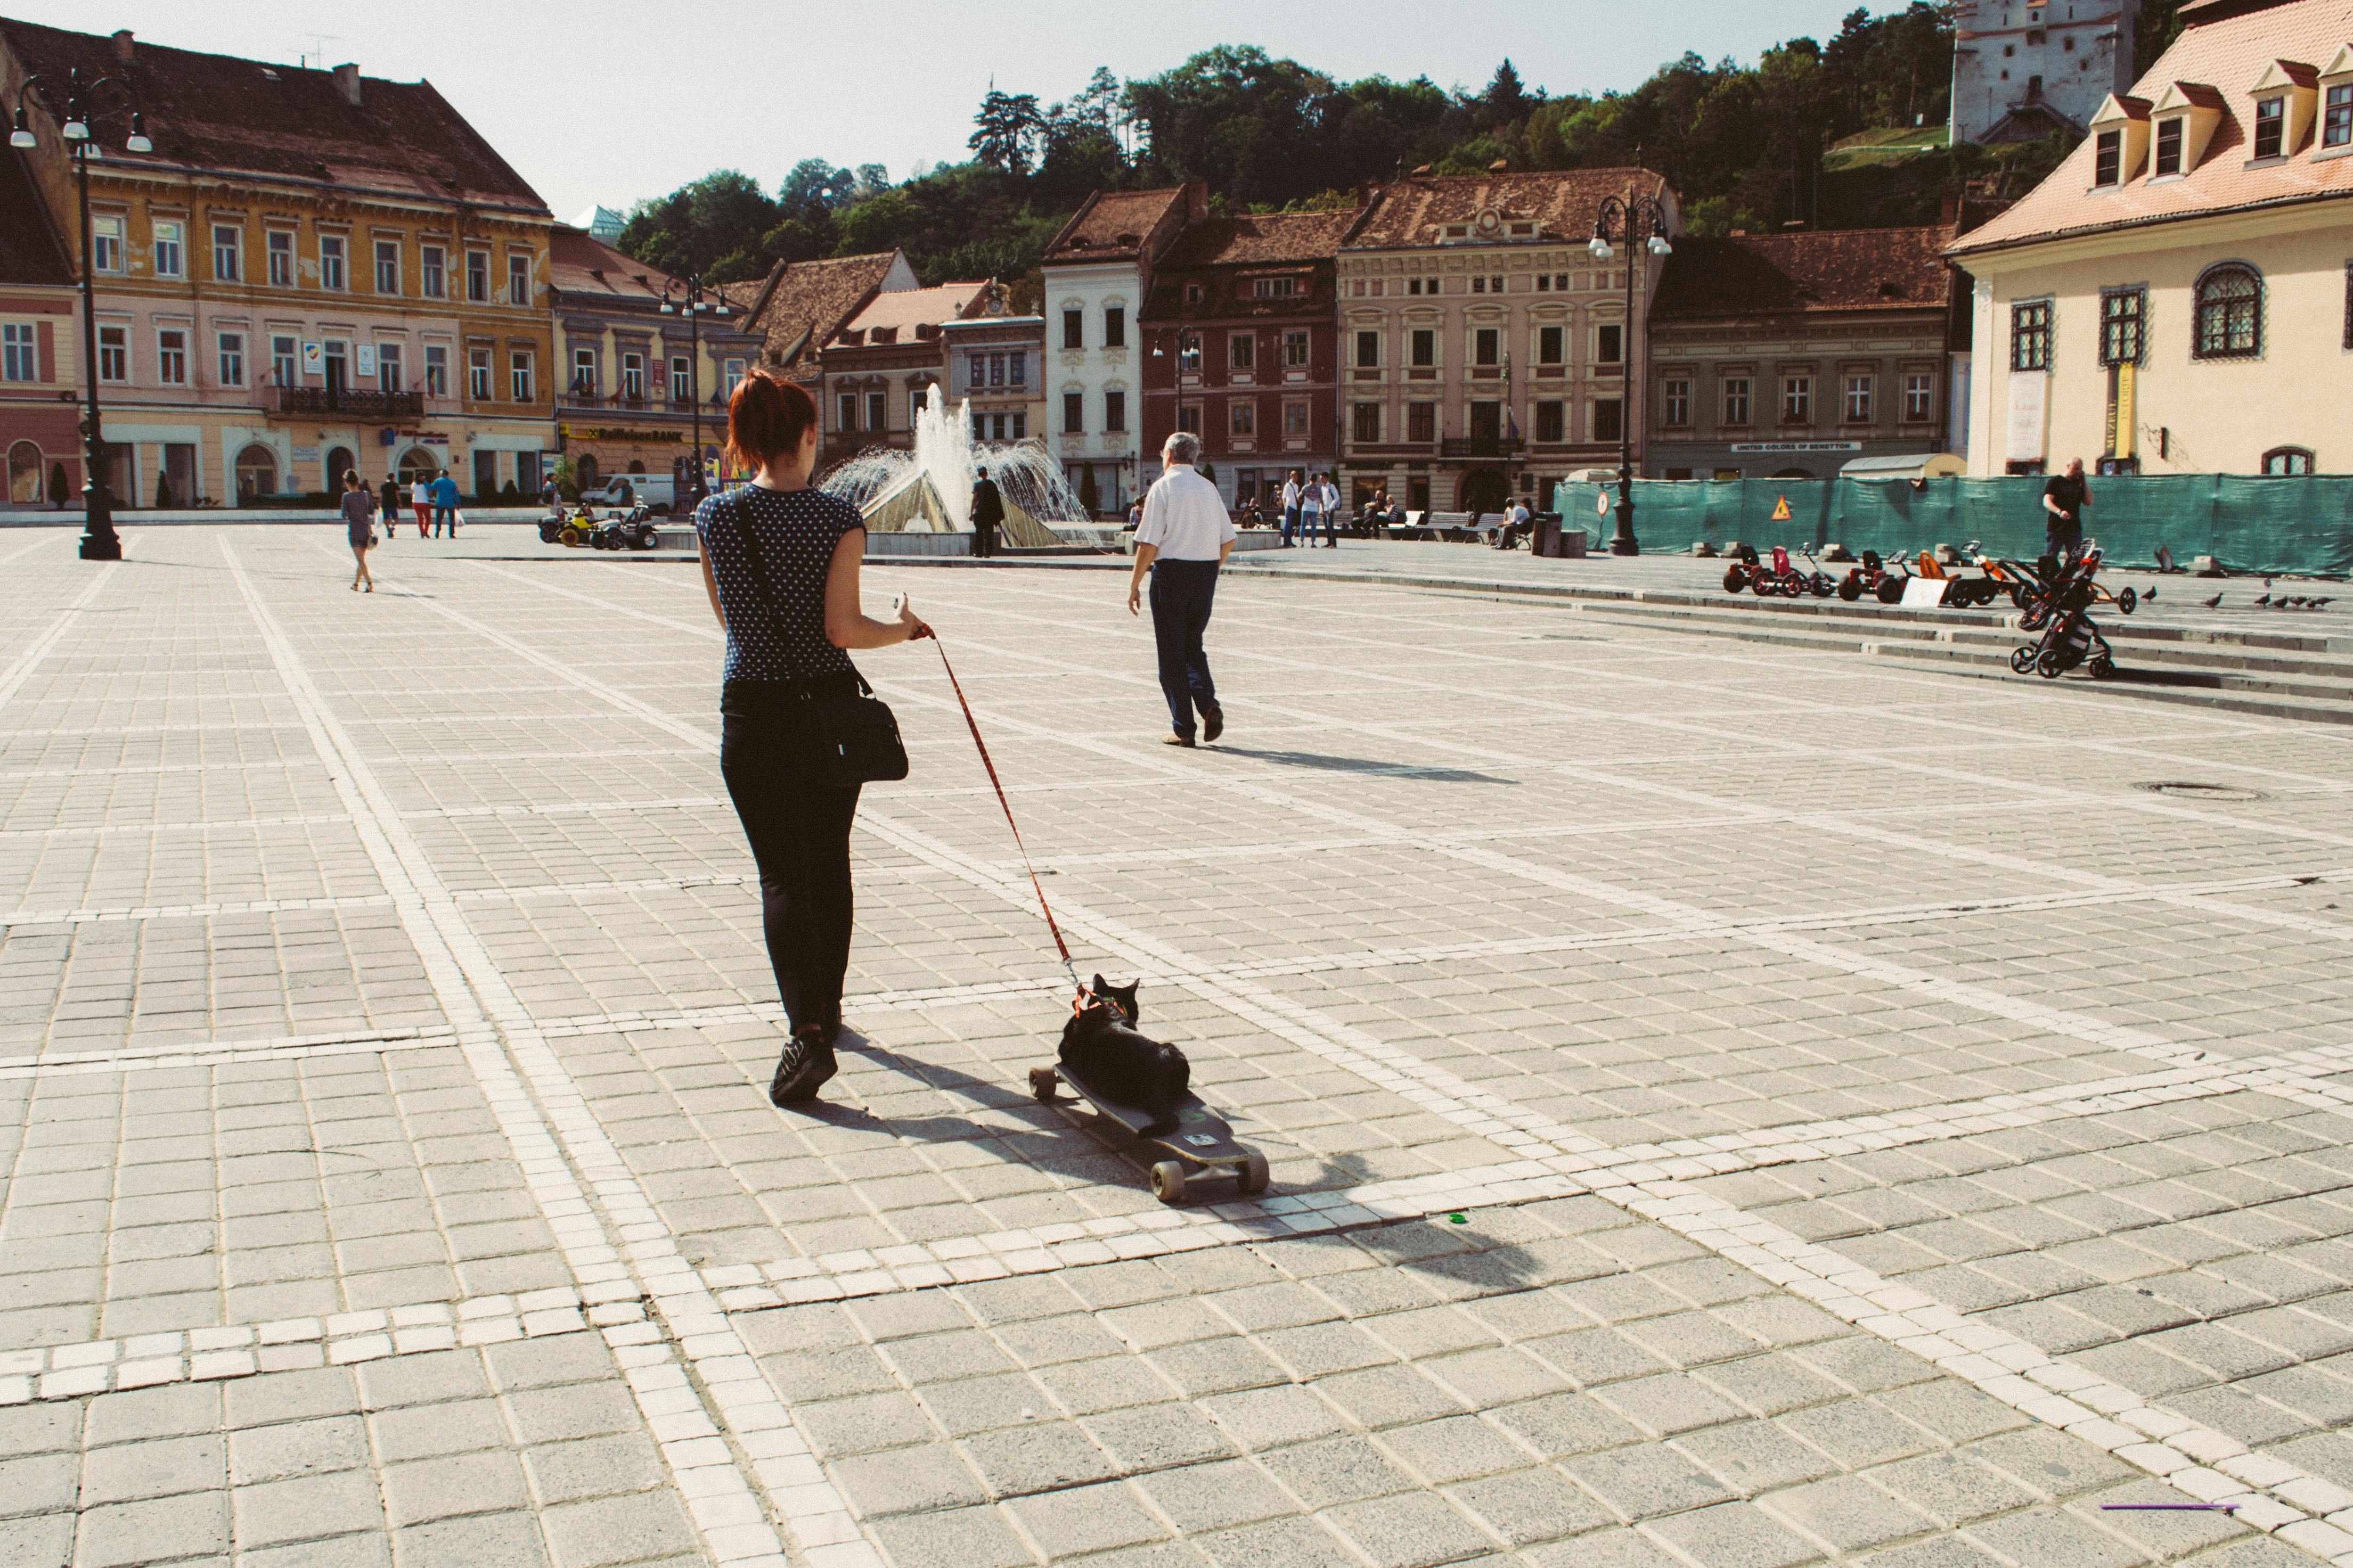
[1729,1108]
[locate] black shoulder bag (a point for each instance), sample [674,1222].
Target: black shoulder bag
[856,733]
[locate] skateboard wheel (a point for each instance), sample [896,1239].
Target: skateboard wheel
[1043,1081]
[1252,1178]
[1168,1181]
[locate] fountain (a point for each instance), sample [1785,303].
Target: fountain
[929,489]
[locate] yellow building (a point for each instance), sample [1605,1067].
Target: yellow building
[2178,296]
[313,271]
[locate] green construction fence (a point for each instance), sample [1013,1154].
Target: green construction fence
[2300,526]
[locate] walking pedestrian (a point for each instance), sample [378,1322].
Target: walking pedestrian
[988,514]
[1291,491]
[359,526]
[1184,538]
[389,495]
[420,500]
[445,504]
[2063,499]
[791,612]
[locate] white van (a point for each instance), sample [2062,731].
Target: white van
[657,492]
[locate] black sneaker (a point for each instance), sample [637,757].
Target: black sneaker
[802,1069]
[1213,721]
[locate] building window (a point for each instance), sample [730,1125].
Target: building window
[388,368]
[681,379]
[2336,124]
[1074,329]
[2230,313]
[1116,411]
[878,411]
[1242,418]
[1549,346]
[2169,145]
[106,243]
[731,372]
[1192,293]
[1294,418]
[1609,343]
[228,253]
[583,372]
[1189,417]
[1421,421]
[2123,336]
[1294,350]
[1074,413]
[171,256]
[1274,288]
[2029,335]
[1550,427]
[284,367]
[431,275]
[1478,285]
[18,358]
[477,275]
[1115,327]
[1608,419]
[1675,401]
[1241,350]
[1423,353]
[387,266]
[1189,352]
[172,357]
[1486,346]
[114,353]
[478,375]
[1736,400]
[846,411]
[1368,349]
[2271,127]
[2284,461]
[437,371]
[519,280]
[633,378]
[2108,158]
[1364,423]
[331,261]
[1017,368]
[1859,397]
[333,360]
[232,359]
[519,376]
[1919,397]
[1796,400]
[281,258]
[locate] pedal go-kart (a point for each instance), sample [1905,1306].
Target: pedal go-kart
[1781,577]
[634,531]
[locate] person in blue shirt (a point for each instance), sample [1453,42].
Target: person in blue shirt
[445,505]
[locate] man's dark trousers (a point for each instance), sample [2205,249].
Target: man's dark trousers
[1182,592]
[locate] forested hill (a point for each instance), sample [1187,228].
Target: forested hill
[1747,147]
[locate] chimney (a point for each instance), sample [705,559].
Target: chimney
[347,82]
[122,46]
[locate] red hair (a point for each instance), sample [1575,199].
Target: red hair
[766,418]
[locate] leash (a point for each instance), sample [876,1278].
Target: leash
[1040,888]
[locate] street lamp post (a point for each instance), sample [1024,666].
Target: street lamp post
[695,300]
[1642,224]
[99,539]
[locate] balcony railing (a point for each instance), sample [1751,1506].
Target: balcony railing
[1480,446]
[357,403]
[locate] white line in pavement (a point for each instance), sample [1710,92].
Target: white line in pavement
[489,1015]
[236,824]
[216,1053]
[13,679]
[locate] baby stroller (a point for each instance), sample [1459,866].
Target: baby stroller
[2060,605]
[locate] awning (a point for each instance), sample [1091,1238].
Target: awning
[1921,465]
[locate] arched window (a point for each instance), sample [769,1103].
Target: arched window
[256,473]
[637,464]
[417,463]
[25,474]
[340,461]
[2287,460]
[2230,313]
[584,467]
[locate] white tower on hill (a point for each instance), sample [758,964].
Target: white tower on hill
[2024,69]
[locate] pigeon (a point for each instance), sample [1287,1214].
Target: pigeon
[2215,602]
[2318,605]
[2267,581]
[2151,594]
[2265,599]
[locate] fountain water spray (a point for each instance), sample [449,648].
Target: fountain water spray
[1027,475]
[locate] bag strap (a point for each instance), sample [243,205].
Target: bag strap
[751,545]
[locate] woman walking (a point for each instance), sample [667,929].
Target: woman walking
[780,560]
[359,526]
[420,500]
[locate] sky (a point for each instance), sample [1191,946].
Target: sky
[612,102]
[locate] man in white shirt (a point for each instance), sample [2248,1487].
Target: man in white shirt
[1290,507]
[1184,538]
[1516,518]
[1320,501]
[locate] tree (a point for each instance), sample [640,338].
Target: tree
[1005,131]
[1090,497]
[163,502]
[1507,103]
[2154,30]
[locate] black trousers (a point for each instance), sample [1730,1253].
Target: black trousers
[983,539]
[1182,593]
[799,833]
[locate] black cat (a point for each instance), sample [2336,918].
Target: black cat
[1103,1048]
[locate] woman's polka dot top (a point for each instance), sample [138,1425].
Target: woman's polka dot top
[795,532]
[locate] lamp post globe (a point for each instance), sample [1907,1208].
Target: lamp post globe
[1642,224]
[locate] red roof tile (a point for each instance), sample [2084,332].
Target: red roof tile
[1828,269]
[583,265]
[1258,237]
[1112,226]
[1562,206]
[801,304]
[243,117]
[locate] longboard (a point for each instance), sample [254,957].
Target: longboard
[1201,1139]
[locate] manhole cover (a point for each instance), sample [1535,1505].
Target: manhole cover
[2204,791]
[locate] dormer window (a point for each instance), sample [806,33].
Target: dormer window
[2109,159]
[2169,145]
[2271,127]
[2337,126]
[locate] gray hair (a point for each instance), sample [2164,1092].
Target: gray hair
[1182,447]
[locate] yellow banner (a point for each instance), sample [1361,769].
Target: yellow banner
[2121,442]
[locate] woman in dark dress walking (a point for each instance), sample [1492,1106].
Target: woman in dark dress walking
[786,643]
[359,526]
